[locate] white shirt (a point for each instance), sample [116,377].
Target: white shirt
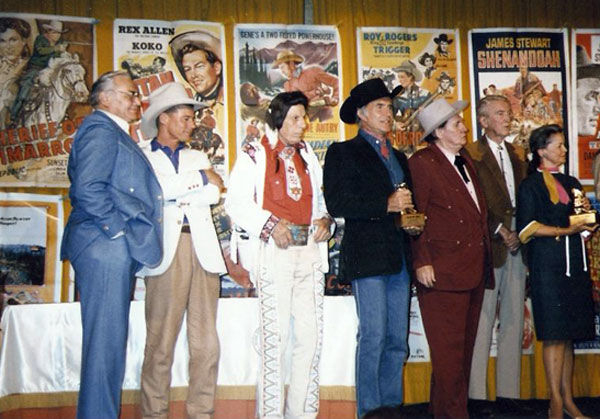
[505,165]
[123,124]
[469,185]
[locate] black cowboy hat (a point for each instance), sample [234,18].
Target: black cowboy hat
[585,68]
[443,38]
[423,57]
[362,94]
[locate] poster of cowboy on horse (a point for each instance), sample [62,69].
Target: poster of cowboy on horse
[46,70]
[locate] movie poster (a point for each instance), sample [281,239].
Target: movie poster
[271,59]
[47,67]
[31,228]
[155,52]
[425,62]
[585,70]
[528,67]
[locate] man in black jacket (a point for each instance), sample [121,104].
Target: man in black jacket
[362,179]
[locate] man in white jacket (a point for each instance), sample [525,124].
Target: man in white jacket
[188,277]
[275,200]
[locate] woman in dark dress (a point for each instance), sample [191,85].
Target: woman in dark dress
[560,282]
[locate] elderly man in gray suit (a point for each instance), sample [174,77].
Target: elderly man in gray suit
[114,229]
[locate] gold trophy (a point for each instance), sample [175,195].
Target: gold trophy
[411,221]
[581,214]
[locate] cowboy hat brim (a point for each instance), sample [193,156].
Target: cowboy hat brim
[456,108]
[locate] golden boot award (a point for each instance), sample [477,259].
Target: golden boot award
[410,220]
[580,213]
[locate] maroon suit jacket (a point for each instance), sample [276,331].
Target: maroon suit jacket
[455,240]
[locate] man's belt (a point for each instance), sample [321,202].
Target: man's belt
[299,234]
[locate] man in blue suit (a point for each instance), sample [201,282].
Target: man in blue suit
[113,230]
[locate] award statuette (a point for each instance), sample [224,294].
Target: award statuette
[410,220]
[581,214]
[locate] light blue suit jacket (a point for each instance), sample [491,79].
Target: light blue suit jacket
[113,189]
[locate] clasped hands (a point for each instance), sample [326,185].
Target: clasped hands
[283,237]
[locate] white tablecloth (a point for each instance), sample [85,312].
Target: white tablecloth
[41,346]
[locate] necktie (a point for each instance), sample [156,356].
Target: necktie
[459,162]
[385,151]
[500,149]
[292,180]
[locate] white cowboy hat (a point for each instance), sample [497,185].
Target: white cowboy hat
[54,25]
[438,112]
[201,39]
[163,98]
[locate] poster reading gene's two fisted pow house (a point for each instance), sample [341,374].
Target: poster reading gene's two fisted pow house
[271,59]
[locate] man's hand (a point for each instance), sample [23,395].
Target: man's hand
[322,232]
[281,234]
[510,238]
[400,200]
[214,178]
[426,276]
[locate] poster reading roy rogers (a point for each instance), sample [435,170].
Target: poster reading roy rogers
[425,62]
[529,68]
[189,52]
[271,59]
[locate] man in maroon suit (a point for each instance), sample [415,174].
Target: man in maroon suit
[451,256]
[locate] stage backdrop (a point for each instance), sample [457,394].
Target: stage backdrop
[44,88]
[151,51]
[430,56]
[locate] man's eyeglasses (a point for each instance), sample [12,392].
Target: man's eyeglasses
[130,94]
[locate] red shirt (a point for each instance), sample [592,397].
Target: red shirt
[275,197]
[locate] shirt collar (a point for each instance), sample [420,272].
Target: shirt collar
[494,143]
[280,146]
[371,139]
[123,124]
[155,145]
[449,155]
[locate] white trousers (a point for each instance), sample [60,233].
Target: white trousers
[290,291]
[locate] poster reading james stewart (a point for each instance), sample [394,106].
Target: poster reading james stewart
[529,68]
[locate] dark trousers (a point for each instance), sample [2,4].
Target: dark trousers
[450,319]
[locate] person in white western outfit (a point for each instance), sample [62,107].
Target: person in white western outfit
[187,280]
[275,200]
